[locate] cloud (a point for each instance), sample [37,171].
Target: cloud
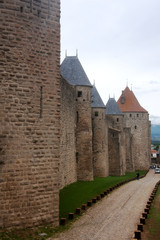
[117,43]
[154,82]
[155,120]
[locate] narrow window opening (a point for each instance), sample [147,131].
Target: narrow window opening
[76,157]
[41,101]
[30,5]
[38,13]
[96,114]
[77,117]
[137,115]
[135,127]
[122,100]
[79,94]
[117,119]
[48,8]
[21,9]
[130,115]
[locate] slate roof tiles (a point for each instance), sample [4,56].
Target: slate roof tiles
[112,107]
[73,72]
[96,99]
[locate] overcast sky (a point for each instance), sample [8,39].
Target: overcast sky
[118,44]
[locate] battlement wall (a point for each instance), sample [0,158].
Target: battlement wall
[68,165]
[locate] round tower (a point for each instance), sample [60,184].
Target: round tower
[73,72]
[29,112]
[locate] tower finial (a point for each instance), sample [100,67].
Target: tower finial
[127,82]
[65,53]
[94,83]
[76,52]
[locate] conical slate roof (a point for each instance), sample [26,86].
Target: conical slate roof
[73,72]
[129,103]
[96,99]
[112,107]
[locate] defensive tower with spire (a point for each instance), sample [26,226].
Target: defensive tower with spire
[115,142]
[136,118]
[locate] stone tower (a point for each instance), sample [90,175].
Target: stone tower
[73,72]
[116,138]
[100,141]
[29,112]
[137,119]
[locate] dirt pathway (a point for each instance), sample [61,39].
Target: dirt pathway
[115,217]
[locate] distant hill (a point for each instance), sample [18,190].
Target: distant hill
[155,133]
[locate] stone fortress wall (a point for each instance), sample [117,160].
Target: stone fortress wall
[68,164]
[54,127]
[29,112]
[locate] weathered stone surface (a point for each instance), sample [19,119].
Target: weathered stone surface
[84,134]
[68,165]
[100,143]
[29,101]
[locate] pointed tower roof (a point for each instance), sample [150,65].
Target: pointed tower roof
[96,99]
[129,103]
[73,72]
[112,107]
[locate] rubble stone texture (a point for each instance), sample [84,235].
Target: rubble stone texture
[29,112]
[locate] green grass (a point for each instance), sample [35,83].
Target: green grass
[153,221]
[76,194]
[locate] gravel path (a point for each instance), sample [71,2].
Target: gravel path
[114,217]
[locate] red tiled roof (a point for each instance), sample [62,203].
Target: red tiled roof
[129,103]
[153,151]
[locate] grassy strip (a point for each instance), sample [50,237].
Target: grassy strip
[76,194]
[153,221]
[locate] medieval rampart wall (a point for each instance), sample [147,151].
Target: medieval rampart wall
[113,152]
[119,125]
[68,166]
[128,144]
[116,144]
[29,112]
